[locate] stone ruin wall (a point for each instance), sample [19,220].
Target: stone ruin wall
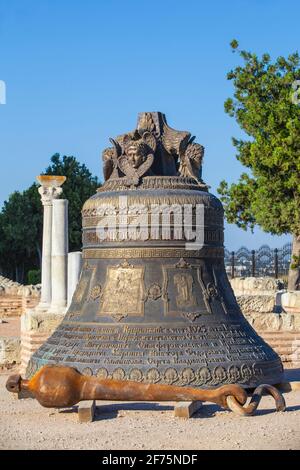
[16,298]
[260,302]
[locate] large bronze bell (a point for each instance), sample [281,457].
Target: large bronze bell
[152,304]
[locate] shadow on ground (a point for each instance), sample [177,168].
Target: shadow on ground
[291,374]
[208,410]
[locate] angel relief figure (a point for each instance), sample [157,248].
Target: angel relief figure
[110,160]
[132,157]
[138,157]
[191,161]
[132,154]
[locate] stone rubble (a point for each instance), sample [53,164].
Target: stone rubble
[9,287]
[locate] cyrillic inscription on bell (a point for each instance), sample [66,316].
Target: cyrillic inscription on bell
[153,303]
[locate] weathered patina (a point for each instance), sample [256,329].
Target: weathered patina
[153,305]
[59,386]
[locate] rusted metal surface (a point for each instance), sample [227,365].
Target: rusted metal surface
[59,386]
[249,410]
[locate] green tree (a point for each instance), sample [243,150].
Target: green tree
[79,186]
[21,233]
[21,219]
[267,195]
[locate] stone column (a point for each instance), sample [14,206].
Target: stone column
[59,257]
[49,190]
[74,270]
[37,324]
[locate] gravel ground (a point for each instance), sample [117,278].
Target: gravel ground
[24,424]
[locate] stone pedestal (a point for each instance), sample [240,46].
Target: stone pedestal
[59,257]
[74,270]
[36,327]
[291,302]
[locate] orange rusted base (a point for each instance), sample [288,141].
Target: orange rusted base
[60,386]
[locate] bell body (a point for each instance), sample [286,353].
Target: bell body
[152,304]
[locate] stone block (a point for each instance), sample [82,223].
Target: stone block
[256,285]
[269,321]
[290,302]
[186,409]
[9,350]
[86,411]
[36,327]
[256,303]
[42,322]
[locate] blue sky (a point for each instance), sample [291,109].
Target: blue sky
[78,72]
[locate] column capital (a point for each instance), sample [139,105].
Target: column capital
[50,188]
[48,193]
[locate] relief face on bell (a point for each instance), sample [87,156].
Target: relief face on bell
[136,153]
[157,309]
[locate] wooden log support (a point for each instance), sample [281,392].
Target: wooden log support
[86,411]
[186,409]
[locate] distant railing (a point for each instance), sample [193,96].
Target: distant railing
[264,261]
